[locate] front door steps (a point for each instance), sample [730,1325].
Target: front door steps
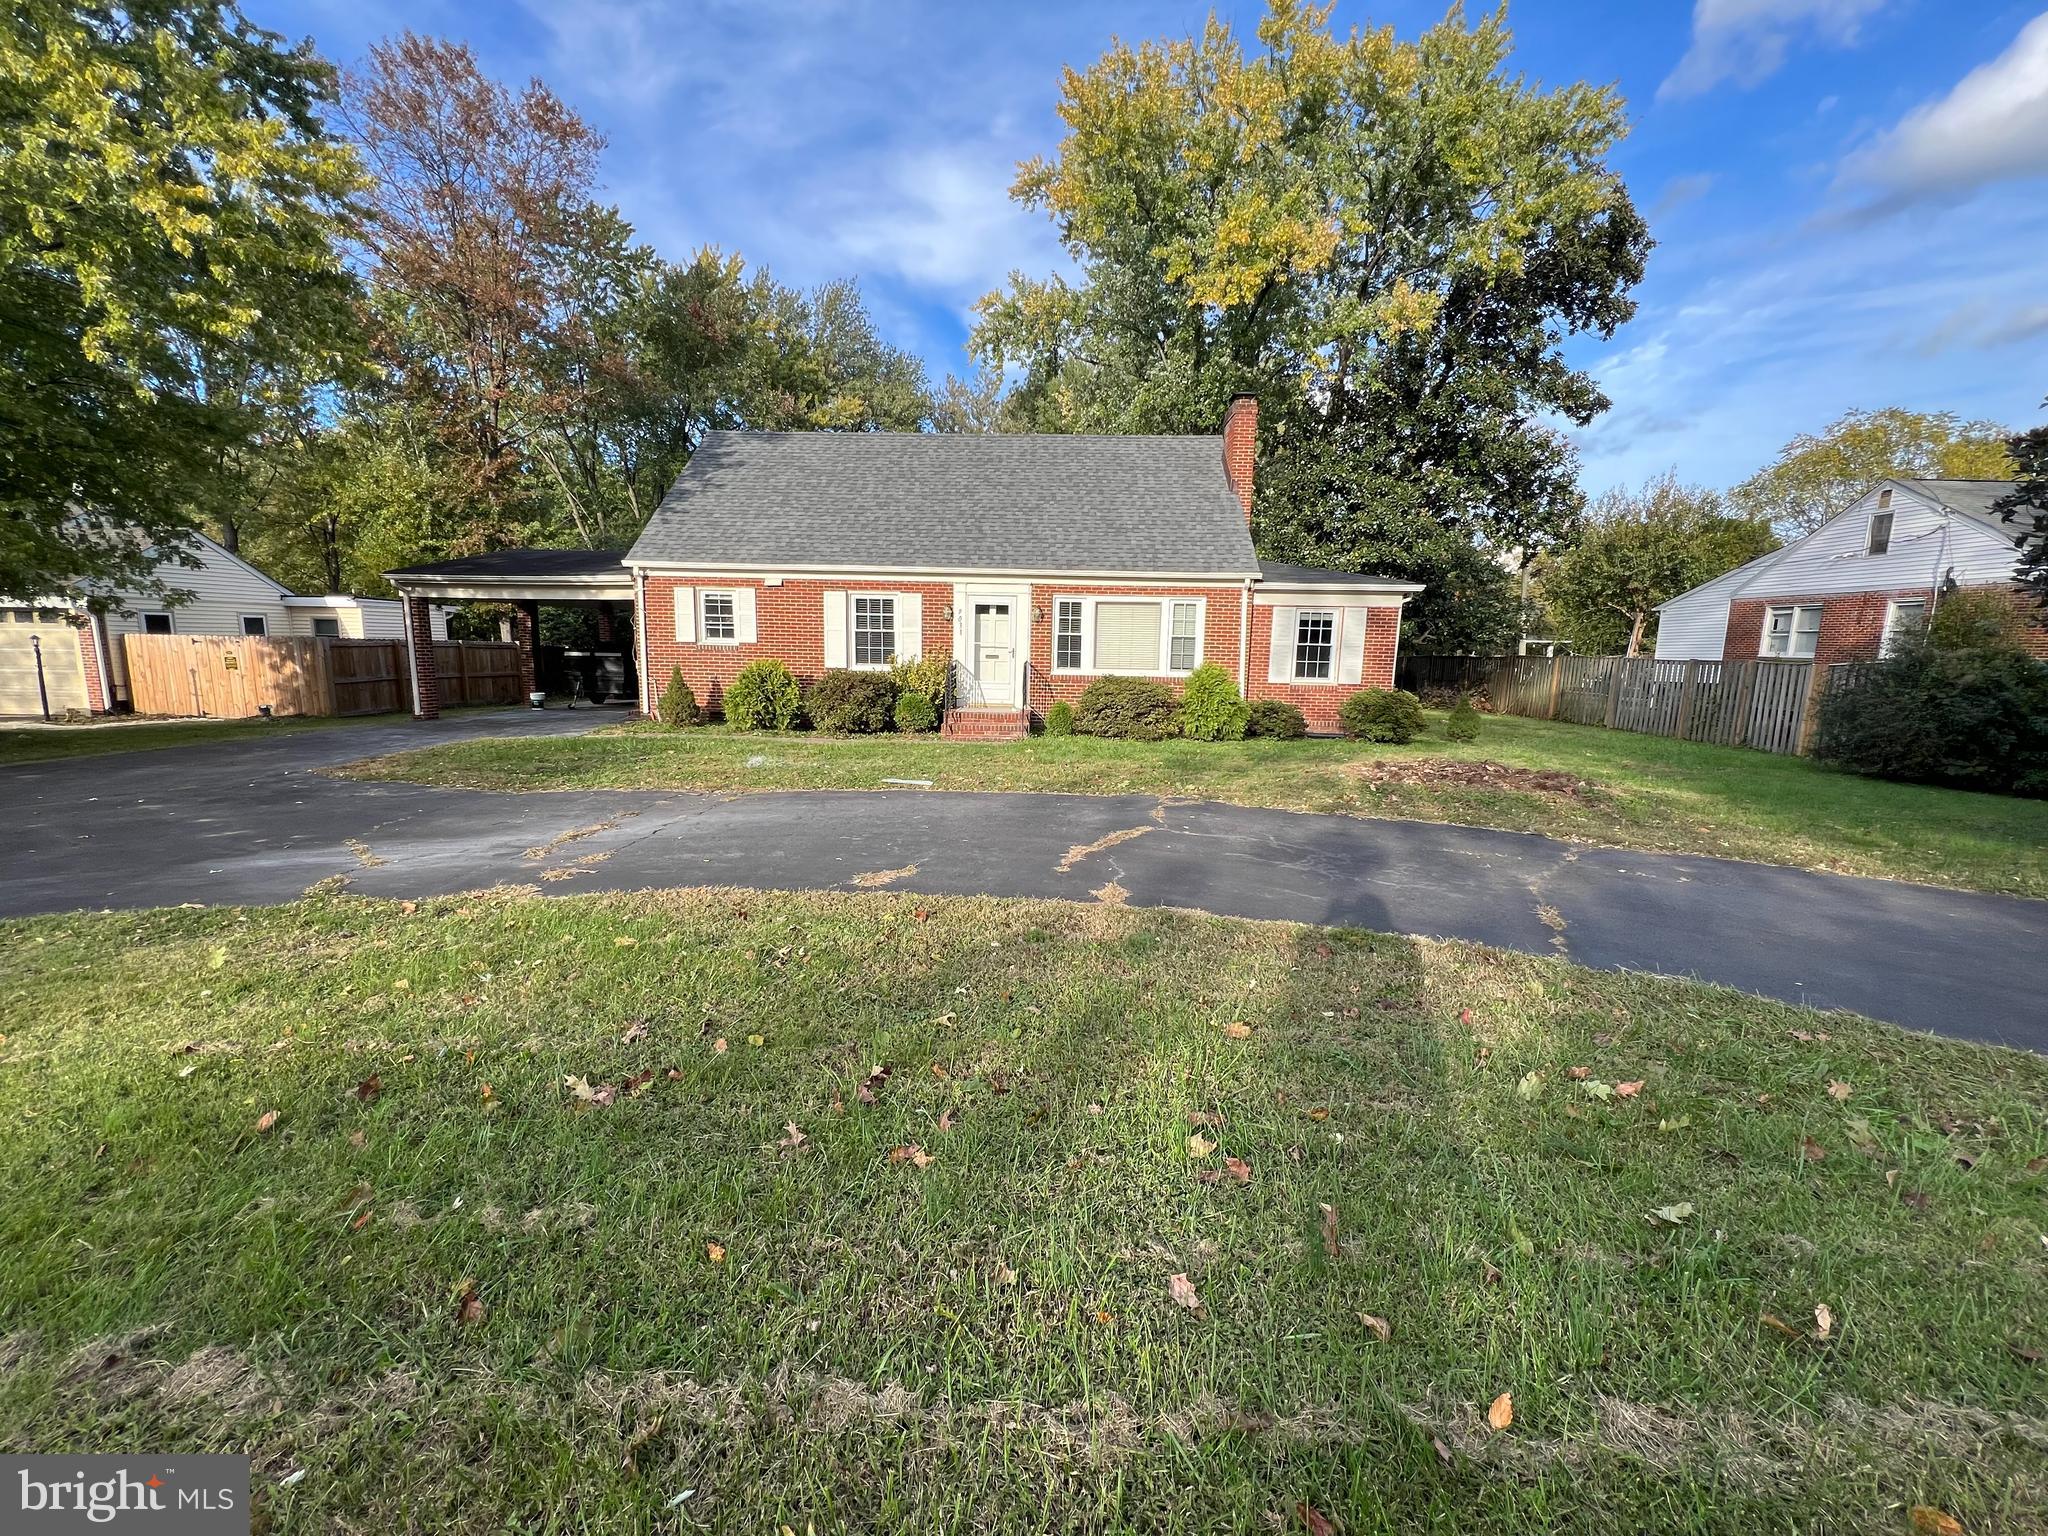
[986,725]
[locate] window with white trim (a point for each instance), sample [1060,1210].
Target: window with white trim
[874,631]
[1880,538]
[719,623]
[1066,635]
[156,624]
[1315,644]
[1901,617]
[254,624]
[327,629]
[1791,632]
[1180,646]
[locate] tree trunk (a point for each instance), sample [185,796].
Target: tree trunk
[1635,633]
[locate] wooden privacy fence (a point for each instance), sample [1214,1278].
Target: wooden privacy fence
[230,676]
[1766,704]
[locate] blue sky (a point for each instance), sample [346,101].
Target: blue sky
[1847,194]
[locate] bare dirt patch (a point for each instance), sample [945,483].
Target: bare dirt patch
[1454,773]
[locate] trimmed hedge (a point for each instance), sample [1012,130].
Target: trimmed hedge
[1211,708]
[1275,717]
[1464,722]
[1381,714]
[926,675]
[764,697]
[1059,720]
[678,705]
[915,713]
[1129,708]
[852,703]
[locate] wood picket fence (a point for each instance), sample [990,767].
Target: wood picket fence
[1766,704]
[230,676]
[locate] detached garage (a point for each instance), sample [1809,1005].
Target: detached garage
[27,635]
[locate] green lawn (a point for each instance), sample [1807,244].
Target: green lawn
[316,1181]
[1643,791]
[35,744]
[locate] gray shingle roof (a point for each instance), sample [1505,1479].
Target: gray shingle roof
[897,500]
[1322,576]
[1969,498]
[522,564]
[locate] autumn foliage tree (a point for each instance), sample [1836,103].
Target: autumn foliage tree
[1819,473]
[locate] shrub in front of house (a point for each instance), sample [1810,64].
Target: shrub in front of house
[1464,722]
[1958,702]
[916,712]
[1381,714]
[678,705]
[1059,720]
[764,697]
[926,675]
[1211,708]
[852,703]
[1129,708]
[1276,718]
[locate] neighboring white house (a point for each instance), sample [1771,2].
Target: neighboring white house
[84,662]
[1840,592]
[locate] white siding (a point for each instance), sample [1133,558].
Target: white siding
[1926,543]
[1694,627]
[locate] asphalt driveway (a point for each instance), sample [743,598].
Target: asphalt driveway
[260,822]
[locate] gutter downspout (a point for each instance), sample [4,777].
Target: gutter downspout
[412,661]
[1244,640]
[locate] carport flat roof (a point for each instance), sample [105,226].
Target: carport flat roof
[559,574]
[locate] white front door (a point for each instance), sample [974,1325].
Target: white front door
[993,653]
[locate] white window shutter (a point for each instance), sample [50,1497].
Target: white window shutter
[743,615]
[1280,657]
[835,630]
[686,614]
[909,626]
[1351,652]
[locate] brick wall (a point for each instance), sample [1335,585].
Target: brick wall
[789,626]
[1219,636]
[1319,702]
[426,677]
[89,656]
[1851,624]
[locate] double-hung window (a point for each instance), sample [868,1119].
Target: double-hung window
[327,629]
[1066,635]
[1791,632]
[156,624]
[1315,645]
[1880,538]
[720,625]
[254,624]
[1180,645]
[1901,617]
[874,631]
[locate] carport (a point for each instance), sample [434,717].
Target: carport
[524,578]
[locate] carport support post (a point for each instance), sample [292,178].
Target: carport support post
[419,650]
[525,631]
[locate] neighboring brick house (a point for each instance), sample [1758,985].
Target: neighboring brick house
[1839,593]
[1036,563]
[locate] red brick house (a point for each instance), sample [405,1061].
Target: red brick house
[1839,592]
[1036,563]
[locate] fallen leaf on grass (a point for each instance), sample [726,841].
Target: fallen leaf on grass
[625,941]
[1530,1086]
[369,1088]
[1823,1321]
[1930,1521]
[1443,1452]
[718,1046]
[715,1252]
[1501,1412]
[1598,1090]
[1777,1324]
[486,1092]
[949,1118]
[1330,1244]
[1839,1091]
[871,1085]
[636,1031]
[757,1040]
[1628,1090]
[1314,1520]
[1675,1123]
[916,1156]
[1381,1328]
[1811,1151]
[265,1121]
[1004,1274]
[1182,1290]
[361,1221]
[1670,1215]
[1578,1074]
[792,1139]
[1237,1029]
[358,1139]
[469,1307]
[1200,1145]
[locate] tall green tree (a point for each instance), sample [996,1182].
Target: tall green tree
[2026,508]
[1637,549]
[1388,241]
[1819,473]
[171,207]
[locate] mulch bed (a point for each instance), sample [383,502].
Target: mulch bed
[1458,773]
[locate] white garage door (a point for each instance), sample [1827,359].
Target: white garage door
[63,664]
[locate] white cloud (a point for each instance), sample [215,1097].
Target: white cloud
[1992,127]
[944,217]
[1746,41]
[1680,190]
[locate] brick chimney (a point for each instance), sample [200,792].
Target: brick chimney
[1241,447]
